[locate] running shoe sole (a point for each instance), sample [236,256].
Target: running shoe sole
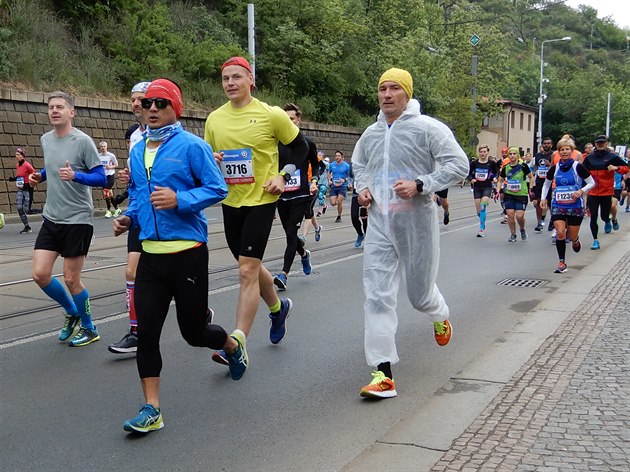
[383,394]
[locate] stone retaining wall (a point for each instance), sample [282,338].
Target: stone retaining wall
[24,118]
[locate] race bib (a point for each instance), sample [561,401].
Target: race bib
[337,182]
[237,167]
[481,174]
[541,173]
[514,185]
[564,194]
[19,181]
[294,183]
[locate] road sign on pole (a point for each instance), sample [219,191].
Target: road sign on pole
[474,39]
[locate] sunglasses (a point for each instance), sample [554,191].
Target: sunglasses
[160,103]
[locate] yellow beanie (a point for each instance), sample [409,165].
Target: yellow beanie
[401,77]
[515,149]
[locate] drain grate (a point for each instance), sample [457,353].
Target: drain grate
[522,283]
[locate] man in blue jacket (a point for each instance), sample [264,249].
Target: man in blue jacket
[173,178]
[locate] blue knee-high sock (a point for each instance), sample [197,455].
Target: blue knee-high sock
[82,301]
[482,216]
[57,292]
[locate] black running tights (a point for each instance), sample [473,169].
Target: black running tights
[601,205]
[159,279]
[291,214]
[358,215]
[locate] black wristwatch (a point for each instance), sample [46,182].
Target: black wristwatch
[286,176]
[419,185]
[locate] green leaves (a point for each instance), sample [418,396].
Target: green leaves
[327,55]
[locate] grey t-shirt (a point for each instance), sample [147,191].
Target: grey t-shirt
[68,202]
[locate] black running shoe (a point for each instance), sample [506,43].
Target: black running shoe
[128,344]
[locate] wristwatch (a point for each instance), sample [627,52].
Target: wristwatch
[285,175]
[419,185]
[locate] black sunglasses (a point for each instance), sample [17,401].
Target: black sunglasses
[160,103]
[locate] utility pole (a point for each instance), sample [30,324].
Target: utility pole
[251,37]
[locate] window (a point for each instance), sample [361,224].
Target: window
[512,119]
[522,118]
[529,122]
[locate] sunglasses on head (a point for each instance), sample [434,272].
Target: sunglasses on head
[160,103]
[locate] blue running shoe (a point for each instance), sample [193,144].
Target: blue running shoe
[84,337]
[306,262]
[220,357]
[595,245]
[280,281]
[149,419]
[278,329]
[318,233]
[359,241]
[238,360]
[607,227]
[615,225]
[68,327]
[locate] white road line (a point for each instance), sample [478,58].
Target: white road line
[117,316]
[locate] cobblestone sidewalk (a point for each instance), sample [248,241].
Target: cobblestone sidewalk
[568,408]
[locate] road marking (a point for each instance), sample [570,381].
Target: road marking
[118,316]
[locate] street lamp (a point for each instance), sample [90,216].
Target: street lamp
[541,96]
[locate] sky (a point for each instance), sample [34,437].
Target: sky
[619,9]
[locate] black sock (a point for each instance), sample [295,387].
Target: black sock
[561,248]
[386,368]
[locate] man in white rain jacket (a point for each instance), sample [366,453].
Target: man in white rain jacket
[398,163]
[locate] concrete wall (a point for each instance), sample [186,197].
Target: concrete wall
[24,118]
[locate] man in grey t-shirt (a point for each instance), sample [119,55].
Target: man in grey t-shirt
[71,167]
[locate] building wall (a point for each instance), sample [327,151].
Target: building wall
[503,131]
[24,118]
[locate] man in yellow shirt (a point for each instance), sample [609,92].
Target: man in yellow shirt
[244,134]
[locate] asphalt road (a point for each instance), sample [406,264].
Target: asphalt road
[297,408]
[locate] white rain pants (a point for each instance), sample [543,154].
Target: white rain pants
[403,237]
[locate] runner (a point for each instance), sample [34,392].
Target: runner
[572,180]
[441,198]
[501,162]
[110,163]
[310,219]
[295,203]
[322,184]
[542,162]
[625,194]
[244,134]
[129,342]
[358,214]
[338,177]
[174,178]
[602,164]
[71,167]
[395,168]
[23,170]
[482,174]
[516,176]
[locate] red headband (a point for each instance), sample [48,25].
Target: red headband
[164,88]
[237,61]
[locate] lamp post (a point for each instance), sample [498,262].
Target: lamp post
[541,96]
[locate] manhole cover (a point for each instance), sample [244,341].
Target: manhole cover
[523,283]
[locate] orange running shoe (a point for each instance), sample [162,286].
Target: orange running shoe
[442,331]
[379,387]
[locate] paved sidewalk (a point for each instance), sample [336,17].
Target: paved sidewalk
[568,407]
